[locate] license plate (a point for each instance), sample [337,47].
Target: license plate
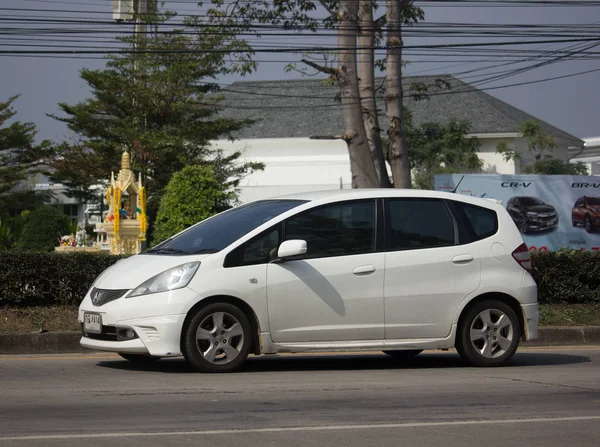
[92,323]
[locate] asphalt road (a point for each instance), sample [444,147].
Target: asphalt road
[547,397]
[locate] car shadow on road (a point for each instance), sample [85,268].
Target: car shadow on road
[349,362]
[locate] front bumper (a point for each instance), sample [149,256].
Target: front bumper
[531,318]
[540,225]
[157,336]
[156,319]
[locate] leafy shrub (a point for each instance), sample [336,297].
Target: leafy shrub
[567,276]
[192,195]
[45,225]
[40,279]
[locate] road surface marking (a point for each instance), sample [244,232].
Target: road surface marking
[306,428]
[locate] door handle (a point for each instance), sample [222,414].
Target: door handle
[462,259]
[364,270]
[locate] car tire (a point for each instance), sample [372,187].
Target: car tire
[587,223]
[142,359]
[523,227]
[217,339]
[403,355]
[489,334]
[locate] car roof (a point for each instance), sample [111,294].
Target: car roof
[368,193]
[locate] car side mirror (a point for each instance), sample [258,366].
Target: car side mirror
[291,248]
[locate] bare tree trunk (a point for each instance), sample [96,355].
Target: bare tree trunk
[366,41]
[361,163]
[397,150]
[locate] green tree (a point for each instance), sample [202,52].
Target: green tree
[20,158]
[160,104]
[539,143]
[554,166]
[539,146]
[441,148]
[43,230]
[192,195]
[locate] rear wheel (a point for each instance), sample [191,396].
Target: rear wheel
[488,334]
[139,358]
[404,355]
[217,338]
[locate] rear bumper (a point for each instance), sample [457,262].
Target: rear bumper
[531,317]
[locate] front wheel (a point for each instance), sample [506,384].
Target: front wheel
[488,334]
[523,227]
[588,224]
[217,339]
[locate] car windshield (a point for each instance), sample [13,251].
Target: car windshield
[213,235]
[530,201]
[593,201]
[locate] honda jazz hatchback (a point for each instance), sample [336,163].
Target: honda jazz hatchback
[393,270]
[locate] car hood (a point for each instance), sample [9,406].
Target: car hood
[540,209]
[130,272]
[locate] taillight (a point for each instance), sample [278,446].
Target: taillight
[522,256]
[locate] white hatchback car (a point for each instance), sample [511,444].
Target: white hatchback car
[393,270]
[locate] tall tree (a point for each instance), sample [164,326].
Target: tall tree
[20,159]
[366,42]
[398,12]
[363,170]
[300,14]
[160,104]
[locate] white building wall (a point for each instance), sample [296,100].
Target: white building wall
[292,165]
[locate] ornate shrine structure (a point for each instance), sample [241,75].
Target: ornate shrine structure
[126,222]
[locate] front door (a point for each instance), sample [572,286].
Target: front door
[335,292]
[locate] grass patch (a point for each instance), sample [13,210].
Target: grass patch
[570,315]
[64,318]
[36,319]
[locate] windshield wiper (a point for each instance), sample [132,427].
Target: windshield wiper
[169,251]
[206,250]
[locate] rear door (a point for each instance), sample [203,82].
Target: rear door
[428,269]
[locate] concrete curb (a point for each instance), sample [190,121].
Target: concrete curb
[40,343]
[68,342]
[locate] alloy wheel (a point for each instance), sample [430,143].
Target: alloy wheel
[491,333]
[220,338]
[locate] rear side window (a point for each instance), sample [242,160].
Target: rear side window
[483,222]
[418,223]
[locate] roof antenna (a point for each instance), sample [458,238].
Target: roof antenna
[458,184]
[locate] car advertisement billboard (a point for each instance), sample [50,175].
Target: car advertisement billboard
[552,212]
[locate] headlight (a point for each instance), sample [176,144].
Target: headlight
[171,279]
[532,216]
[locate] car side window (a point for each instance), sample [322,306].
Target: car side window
[258,250]
[338,229]
[483,221]
[419,223]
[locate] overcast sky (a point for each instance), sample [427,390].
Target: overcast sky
[571,103]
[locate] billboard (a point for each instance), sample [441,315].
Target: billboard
[551,211]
